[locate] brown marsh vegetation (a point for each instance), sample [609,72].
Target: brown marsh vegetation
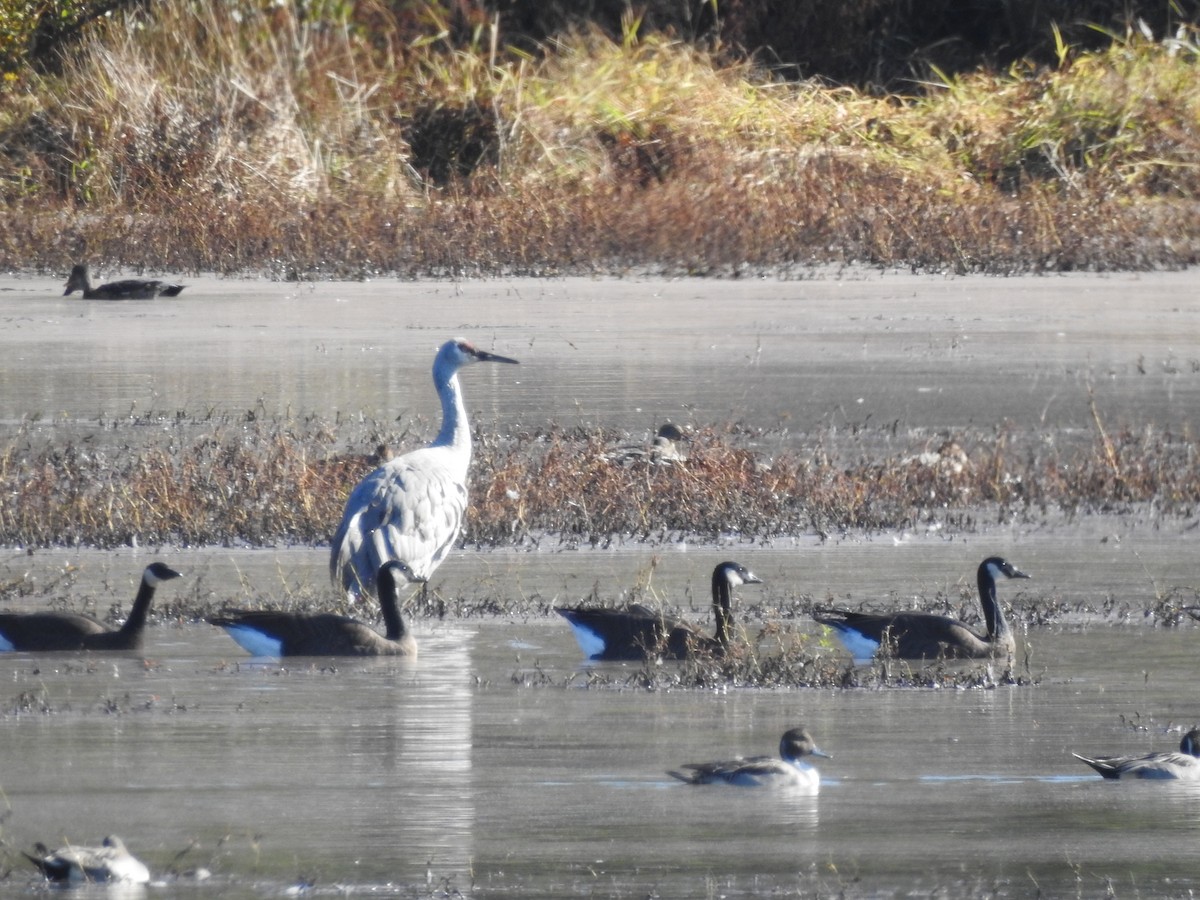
[226,480]
[243,137]
[253,481]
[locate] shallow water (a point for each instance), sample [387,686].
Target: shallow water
[913,352]
[381,775]
[384,775]
[402,779]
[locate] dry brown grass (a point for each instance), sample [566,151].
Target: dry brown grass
[200,140]
[258,482]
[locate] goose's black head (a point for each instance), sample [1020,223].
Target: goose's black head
[393,573]
[736,574]
[156,573]
[995,566]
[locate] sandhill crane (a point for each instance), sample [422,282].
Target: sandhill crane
[411,508]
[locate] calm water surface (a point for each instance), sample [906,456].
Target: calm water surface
[922,353]
[409,779]
[382,776]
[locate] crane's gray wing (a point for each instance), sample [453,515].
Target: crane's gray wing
[410,509]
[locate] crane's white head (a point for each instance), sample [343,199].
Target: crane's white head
[460,352]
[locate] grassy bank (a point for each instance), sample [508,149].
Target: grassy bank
[208,138]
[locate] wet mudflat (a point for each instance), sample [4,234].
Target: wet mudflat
[486,767]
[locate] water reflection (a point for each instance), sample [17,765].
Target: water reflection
[107,891]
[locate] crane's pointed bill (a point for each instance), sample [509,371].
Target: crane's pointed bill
[484,356]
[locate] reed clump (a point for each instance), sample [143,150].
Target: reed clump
[258,481]
[254,138]
[784,658]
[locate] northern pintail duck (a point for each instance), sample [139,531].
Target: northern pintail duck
[265,633]
[791,769]
[110,862]
[1183,765]
[913,635]
[129,289]
[637,632]
[75,631]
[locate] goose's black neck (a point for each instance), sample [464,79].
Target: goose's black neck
[389,604]
[141,606]
[993,615]
[722,599]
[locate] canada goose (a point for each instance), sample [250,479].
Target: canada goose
[129,289]
[637,632]
[790,769]
[264,633]
[925,635]
[74,631]
[1183,765]
[109,862]
[412,506]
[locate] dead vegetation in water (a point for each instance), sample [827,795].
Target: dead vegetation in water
[782,656]
[254,481]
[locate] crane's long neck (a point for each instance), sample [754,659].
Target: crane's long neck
[141,606]
[722,597]
[456,430]
[997,626]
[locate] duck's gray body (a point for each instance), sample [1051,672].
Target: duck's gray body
[108,863]
[791,769]
[1183,765]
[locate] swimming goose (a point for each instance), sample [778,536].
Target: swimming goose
[637,632]
[110,862]
[915,635]
[412,506]
[791,769]
[1183,765]
[129,289]
[75,631]
[264,633]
